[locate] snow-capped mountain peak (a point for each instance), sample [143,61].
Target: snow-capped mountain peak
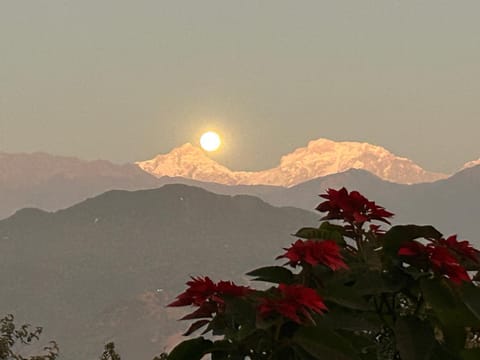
[471,164]
[190,162]
[319,158]
[323,157]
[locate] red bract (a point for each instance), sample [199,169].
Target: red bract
[279,306]
[199,290]
[439,258]
[202,290]
[444,263]
[413,248]
[351,207]
[228,288]
[315,252]
[417,254]
[295,303]
[461,248]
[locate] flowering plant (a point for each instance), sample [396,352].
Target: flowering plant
[349,290]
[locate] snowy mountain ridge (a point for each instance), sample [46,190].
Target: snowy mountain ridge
[319,158]
[470,164]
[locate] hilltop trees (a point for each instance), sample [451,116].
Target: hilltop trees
[14,341]
[350,289]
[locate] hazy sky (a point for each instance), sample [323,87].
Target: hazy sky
[125,80]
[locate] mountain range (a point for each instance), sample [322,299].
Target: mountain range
[319,158]
[54,182]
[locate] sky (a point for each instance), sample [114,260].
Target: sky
[126,80]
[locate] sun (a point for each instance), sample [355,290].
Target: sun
[210,141]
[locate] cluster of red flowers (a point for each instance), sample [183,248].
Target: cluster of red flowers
[443,256]
[298,303]
[294,302]
[463,248]
[351,207]
[208,296]
[314,252]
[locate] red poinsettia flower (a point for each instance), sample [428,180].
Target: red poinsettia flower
[228,288]
[279,306]
[314,252]
[416,253]
[295,303]
[461,248]
[436,257]
[199,290]
[352,207]
[444,263]
[203,290]
[208,297]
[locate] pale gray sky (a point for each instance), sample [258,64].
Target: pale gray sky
[125,80]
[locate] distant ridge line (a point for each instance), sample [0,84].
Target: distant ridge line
[319,158]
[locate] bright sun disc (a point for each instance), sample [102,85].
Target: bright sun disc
[210,141]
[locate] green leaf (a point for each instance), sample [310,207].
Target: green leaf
[363,342]
[222,350]
[217,325]
[471,298]
[449,309]
[273,274]
[326,231]
[195,326]
[415,273]
[345,296]
[344,319]
[240,316]
[415,339]
[438,294]
[193,349]
[325,344]
[471,354]
[471,265]
[220,355]
[451,304]
[374,282]
[400,234]
[240,310]
[301,354]
[327,226]
[441,352]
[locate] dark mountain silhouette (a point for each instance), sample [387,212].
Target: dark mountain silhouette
[104,269]
[305,195]
[452,205]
